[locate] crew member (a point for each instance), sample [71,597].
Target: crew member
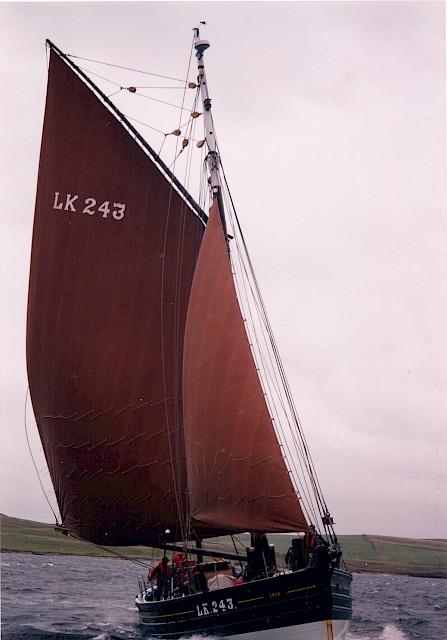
[178,558]
[261,553]
[179,569]
[312,539]
[295,555]
[198,579]
[161,574]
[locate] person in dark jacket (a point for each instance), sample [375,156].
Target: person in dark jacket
[312,539]
[295,555]
[262,549]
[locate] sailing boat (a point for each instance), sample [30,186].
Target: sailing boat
[146,384]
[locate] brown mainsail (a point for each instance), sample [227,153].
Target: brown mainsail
[113,255]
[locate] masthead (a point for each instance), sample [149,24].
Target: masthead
[213,160]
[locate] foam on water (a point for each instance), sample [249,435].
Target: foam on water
[390,632]
[199,638]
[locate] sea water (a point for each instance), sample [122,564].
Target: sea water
[75,598]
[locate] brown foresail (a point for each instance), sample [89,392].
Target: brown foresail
[237,478]
[113,255]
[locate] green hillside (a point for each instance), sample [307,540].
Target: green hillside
[28,536]
[361,553]
[395,555]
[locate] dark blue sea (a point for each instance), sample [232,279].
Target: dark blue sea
[45,597]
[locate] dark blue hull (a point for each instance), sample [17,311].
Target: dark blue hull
[300,599]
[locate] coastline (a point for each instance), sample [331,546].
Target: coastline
[362,553]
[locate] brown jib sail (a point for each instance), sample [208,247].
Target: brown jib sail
[237,478]
[113,255]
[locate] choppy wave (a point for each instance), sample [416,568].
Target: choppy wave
[70,598]
[390,632]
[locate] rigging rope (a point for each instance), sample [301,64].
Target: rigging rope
[169,104]
[140,95]
[117,66]
[92,73]
[33,459]
[146,125]
[68,533]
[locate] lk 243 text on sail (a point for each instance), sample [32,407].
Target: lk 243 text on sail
[70,203]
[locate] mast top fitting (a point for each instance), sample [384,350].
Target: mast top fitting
[201,46]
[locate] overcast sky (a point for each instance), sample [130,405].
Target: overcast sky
[331,124]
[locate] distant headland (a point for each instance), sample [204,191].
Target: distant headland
[362,553]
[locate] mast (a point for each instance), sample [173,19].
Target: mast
[213,158]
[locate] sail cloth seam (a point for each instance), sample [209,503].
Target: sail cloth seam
[88,413]
[81,446]
[98,415]
[115,442]
[188,199]
[255,464]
